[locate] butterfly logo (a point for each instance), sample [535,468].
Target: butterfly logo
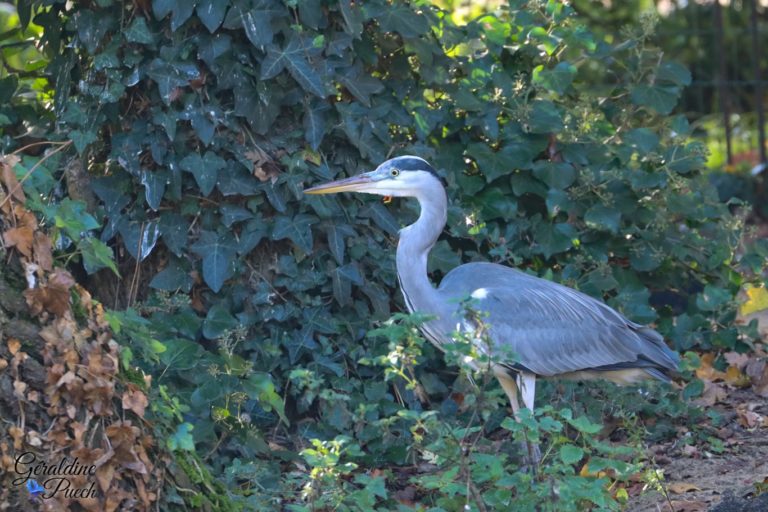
[35,489]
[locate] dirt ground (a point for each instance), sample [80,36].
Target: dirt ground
[735,480]
[700,480]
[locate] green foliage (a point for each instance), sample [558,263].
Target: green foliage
[203,121]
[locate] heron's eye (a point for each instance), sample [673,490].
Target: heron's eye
[394,173]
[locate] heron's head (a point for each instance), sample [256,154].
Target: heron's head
[404,176]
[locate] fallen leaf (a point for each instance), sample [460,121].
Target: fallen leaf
[735,378]
[713,393]
[757,300]
[706,371]
[8,177]
[43,249]
[18,388]
[21,238]
[136,401]
[13,346]
[682,487]
[740,361]
[52,297]
[689,506]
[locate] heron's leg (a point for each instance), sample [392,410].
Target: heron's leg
[509,386]
[526,383]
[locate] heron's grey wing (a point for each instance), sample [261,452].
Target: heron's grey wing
[553,329]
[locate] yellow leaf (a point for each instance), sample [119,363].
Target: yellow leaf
[757,300]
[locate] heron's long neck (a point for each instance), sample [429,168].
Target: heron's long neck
[413,248]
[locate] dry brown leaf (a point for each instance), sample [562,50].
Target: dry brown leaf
[21,238]
[713,393]
[8,177]
[66,379]
[104,476]
[43,249]
[52,297]
[3,364]
[19,387]
[682,487]
[136,401]
[263,166]
[706,371]
[735,359]
[13,346]
[747,416]
[757,370]
[689,506]
[734,377]
[18,437]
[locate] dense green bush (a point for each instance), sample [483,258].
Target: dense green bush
[200,122]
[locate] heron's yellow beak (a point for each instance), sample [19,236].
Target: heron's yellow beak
[353,184]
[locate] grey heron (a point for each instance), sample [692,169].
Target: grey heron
[553,330]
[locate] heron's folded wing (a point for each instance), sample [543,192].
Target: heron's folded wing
[553,329]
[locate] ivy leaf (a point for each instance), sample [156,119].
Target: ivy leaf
[661,99]
[361,85]
[403,20]
[91,28]
[154,187]
[8,86]
[297,229]
[211,13]
[139,238]
[293,57]
[218,253]
[204,168]
[174,231]
[161,8]
[336,234]
[381,217]
[82,140]
[258,27]
[139,32]
[181,12]
[231,213]
[273,63]
[172,278]
[315,123]
[353,18]
[170,75]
